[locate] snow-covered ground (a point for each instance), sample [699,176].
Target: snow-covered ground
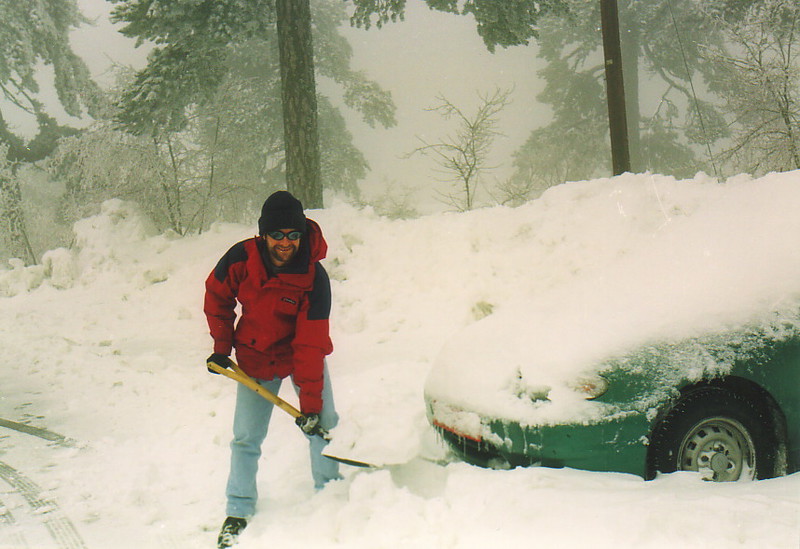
[105,344]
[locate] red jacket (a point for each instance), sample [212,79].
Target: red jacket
[283,328]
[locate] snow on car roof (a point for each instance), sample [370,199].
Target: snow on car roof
[618,263]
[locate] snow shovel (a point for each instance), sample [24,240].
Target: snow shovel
[238,375]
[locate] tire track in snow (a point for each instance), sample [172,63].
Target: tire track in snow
[7,522]
[60,528]
[37,432]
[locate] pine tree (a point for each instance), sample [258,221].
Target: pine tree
[506,23]
[210,55]
[36,32]
[671,126]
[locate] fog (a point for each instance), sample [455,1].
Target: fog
[431,54]
[101,45]
[427,55]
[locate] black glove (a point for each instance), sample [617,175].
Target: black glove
[220,360]
[309,424]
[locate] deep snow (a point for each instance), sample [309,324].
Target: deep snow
[105,344]
[650,260]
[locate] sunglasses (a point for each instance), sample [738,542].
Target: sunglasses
[279,235]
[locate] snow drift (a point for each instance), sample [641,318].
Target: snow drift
[653,260]
[105,343]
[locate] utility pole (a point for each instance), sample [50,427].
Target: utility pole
[615,89]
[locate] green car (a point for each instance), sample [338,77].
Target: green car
[724,404]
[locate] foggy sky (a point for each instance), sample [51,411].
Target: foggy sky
[428,54]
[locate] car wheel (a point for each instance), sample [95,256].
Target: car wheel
[717,433]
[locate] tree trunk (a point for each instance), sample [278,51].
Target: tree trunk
[14,217]
[299,97]
[630,66]
[172,195]
[788,117]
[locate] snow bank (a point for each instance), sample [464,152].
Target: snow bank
[106,345]
[650,259]
[114,241]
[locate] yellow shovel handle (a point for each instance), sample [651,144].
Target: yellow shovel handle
[238,375]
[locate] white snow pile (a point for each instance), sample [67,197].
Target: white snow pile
[652,259]
[115,240]
[105,343]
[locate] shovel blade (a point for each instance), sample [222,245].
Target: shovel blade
[351,462]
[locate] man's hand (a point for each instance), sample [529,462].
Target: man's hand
[219,360]
[309,424]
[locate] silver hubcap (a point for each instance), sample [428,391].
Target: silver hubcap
[719,448]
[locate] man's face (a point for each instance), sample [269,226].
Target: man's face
[282,246]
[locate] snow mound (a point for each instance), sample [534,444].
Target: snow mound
[117,241]
[105,354]
[629,261]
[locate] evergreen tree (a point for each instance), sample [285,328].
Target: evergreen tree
[671,126]
[674,120]
[35,32]
[299,100]
[214,59]
[506,23]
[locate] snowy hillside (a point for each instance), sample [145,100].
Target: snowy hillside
[105,344]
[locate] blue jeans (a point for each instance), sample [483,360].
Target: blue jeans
[250,424]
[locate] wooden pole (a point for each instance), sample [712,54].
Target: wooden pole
[615,88]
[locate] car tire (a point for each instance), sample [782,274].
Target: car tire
[716,432]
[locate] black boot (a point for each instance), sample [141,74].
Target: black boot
[230,531]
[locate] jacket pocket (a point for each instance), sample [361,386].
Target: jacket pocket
[288,306]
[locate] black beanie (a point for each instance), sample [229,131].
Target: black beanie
[281,211]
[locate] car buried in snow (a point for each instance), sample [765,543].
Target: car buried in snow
[725,403]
